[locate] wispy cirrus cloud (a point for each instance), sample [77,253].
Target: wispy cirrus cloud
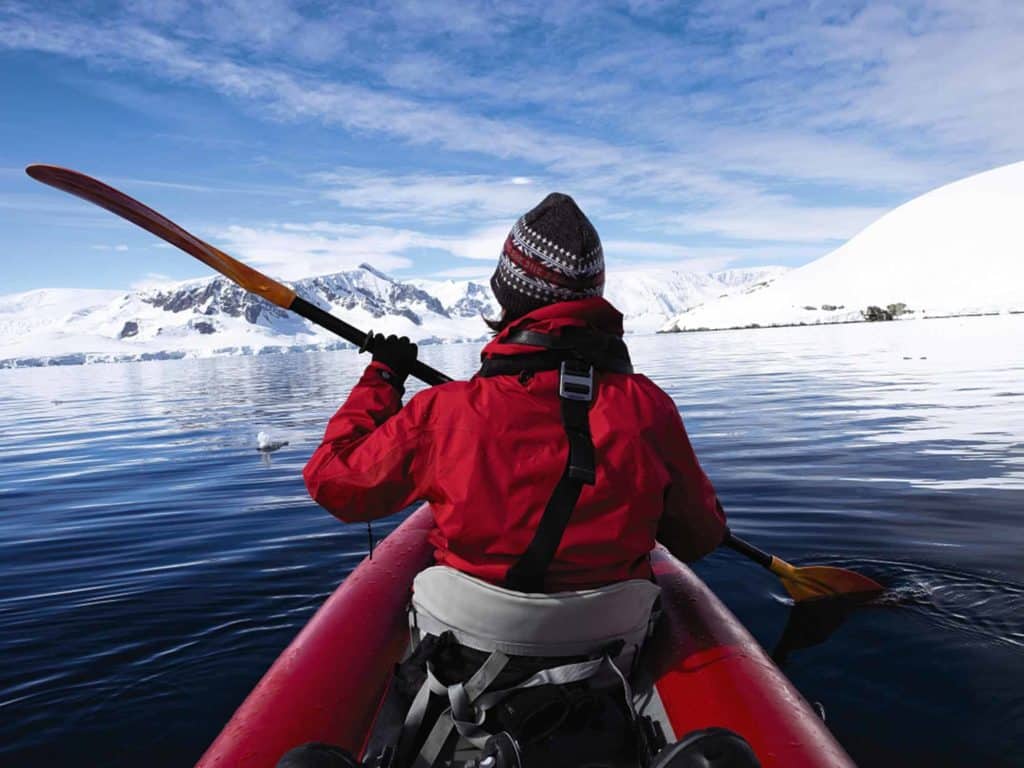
[778,220]
[778,62]
[150,281]
[626,256]
[298,249]
[430,197]
[765,127]
[292,250]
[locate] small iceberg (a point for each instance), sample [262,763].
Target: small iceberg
[265,444]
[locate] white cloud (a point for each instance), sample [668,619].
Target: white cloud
[434,197]
[482,244]
[478,273]
[293,251]
[806,156]
[152,280]
[930,78]
[624,256]
[631,248]
[775,121]
[779,220]
[709,262]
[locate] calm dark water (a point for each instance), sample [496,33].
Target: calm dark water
[153,564]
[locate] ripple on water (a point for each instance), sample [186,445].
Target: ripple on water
[152,564]
[992,608]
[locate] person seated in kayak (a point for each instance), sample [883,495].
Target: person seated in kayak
[554,427]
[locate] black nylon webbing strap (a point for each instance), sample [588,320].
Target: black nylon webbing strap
[578,352]
[611,356]
[576,420]
[603,350]
[527,574]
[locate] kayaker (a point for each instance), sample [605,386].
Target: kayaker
[489,452]
[550,475]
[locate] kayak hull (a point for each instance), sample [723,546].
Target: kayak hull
[328,683]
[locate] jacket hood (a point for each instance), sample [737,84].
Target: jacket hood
[595,313]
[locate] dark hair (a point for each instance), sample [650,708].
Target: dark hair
[499,323]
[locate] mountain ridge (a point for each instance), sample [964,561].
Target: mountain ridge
[213,316]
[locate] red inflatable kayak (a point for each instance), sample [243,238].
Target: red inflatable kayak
[328,684]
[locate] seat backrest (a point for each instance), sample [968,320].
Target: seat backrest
[490,618]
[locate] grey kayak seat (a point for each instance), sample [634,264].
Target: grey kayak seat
[598,631]
[487,617]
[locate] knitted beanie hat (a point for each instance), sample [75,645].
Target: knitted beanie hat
[552,254]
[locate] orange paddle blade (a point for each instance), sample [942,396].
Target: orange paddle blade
[116,201]
[816,581]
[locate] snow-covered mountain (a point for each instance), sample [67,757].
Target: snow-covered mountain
[46,309]
[214,316]
[649,298]
[956,250]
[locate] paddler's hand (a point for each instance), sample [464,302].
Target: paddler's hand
[398,354]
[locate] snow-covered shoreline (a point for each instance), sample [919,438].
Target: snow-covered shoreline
[955,251]
[862,320]
[214,317]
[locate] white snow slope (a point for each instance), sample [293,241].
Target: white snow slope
[649,298]
[46,318]
[956,250]
[199,318]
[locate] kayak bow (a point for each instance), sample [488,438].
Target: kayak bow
[328,684]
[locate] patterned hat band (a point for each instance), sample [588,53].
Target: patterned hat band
[548,272]
[552,254]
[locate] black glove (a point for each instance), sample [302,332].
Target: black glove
[398,354]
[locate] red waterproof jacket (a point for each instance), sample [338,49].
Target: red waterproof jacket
[488,452]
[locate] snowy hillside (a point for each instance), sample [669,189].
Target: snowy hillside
[650,298]
[953,251]
[45,321]
[213,316]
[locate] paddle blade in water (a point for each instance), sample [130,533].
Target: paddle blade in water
[817,581]
[812,622]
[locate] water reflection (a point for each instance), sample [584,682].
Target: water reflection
[152,564]
[813,622]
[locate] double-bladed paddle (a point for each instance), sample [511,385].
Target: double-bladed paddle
[804,583]
[810,582]
[129,208]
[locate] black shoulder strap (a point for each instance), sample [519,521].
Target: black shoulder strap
[576,391]
[602,350]
[576,353]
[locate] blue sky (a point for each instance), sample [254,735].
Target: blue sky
[306,138]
